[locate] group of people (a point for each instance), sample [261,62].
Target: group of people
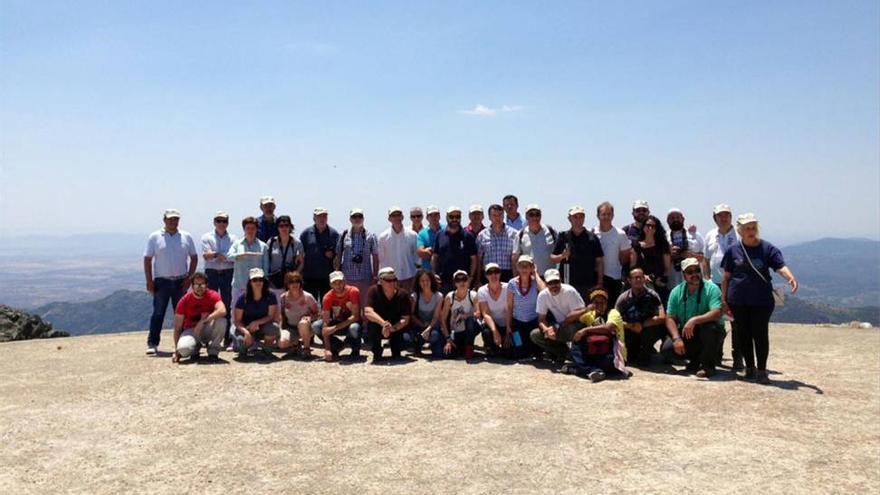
[589,300]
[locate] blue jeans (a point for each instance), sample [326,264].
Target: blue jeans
[587,364]
[412,336]
[352,335]
[221,281]
[166,290]
[461,339]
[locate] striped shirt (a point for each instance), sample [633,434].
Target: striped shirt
[525,306]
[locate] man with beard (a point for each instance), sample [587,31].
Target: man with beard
[644,318]
[454,249]
[683,243]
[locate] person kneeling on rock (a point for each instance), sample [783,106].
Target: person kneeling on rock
[199,320]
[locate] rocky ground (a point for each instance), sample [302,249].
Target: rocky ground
[95,415]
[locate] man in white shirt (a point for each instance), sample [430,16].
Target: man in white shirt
[717,242]
[397,249]
[616,246]
[215,245]
[559,310]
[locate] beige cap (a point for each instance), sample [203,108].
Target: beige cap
[387,273]
[395,209]
[221,214]
[432,209]
[319,210]
[267,200]
[355,211]
[337,275]
[689,262]
[453,209]
[576,210]
[492,266]
[256,273]
[524,258]
[533,206]
[722,208]
[552,275]
[171,213]
[746,218]
[640,203]
[475,208]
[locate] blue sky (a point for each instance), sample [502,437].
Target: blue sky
[113,111]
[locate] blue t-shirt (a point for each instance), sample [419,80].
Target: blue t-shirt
[254,310]
[454,252]
[425,239]
[745,287]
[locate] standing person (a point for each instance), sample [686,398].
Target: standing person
[682,244]
[643,316]
[255,315]
[522,303]
[425,240]
[747,292]
[581,255]
[387,313]
[215,245]
[297,311]
[199,320]
[495,244]
[357,255]
[560,307]
[454,249]
[651,254]
[616,248]
[340,315]
[492,300]
[693,320]
[598,348]
[266,225]
[284,254]
[415,217]
[536,240]
[475,220]
[319,243]
[166,271]
[640,213]
[458,321]
[512,217]
[245,253]
[396,247]
[427,303]
[718,241]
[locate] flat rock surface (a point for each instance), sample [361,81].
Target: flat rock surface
[95,415]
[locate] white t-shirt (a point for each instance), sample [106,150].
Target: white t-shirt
[398,250]
[497,308]
[715,246]
[613,242]
[461,310]
[561,304]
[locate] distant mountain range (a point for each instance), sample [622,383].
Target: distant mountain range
[840,282]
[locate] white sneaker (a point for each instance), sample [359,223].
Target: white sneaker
[151,350]
[596,376]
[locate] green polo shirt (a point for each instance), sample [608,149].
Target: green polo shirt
[683,306]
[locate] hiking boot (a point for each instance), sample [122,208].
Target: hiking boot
[596,376]
[762,378]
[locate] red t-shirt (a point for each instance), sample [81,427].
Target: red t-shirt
[191,307]
[340,306]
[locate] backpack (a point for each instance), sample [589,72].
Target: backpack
[598,345]
[451,296]
[550,229]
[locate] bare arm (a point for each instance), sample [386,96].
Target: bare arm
[600,270]
[148,273]
[792,282]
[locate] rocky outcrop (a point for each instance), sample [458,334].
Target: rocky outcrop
[18,325]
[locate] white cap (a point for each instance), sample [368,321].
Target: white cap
[453,209]
[689,262]
[432,209]
[320,210]
[576,210]
[524,258]
[386,273]
[221,214]
[171,213]
[552,275]
[674,210]
[355,211]
[746,218]
[475,208]
[415,209]
[458,273]
[256,273]
[640,203]
[266,200]
[395,209]
[492,266]
[532,206]
[337,275]
[722,208]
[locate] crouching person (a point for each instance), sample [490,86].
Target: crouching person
[255,315]
[694,321]
[599,348]
[297,310]
[340,315]
[559,308]
[387,313]
[458,321]
[199,320]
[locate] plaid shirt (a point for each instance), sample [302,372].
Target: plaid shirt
[497,248]
[366,246]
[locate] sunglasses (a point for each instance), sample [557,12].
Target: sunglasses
[283,225]
[390,280]
[357,217]
[650,226]
[494,272]
[221,220]
[257,280]
[692,272]
[415,216]
[454,217]
[460,280]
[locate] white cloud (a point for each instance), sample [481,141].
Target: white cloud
[484,111]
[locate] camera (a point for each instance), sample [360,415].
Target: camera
[357,258]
